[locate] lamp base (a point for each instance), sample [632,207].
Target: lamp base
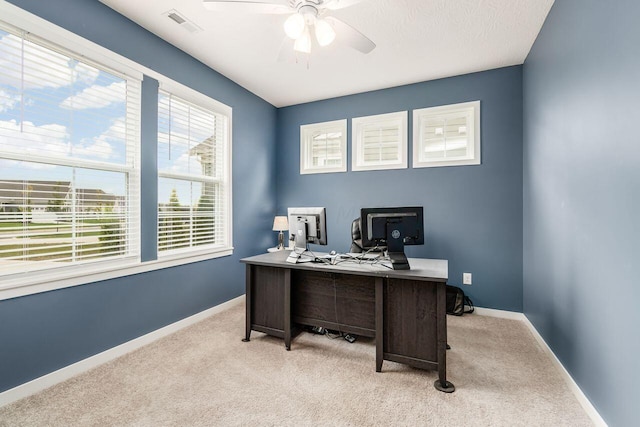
[280,241]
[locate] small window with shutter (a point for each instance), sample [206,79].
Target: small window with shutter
[323,147]
[380,142]
[447,135]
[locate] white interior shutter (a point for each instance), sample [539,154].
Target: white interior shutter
[326,149]
[447,135]
[380,142]
[323,147]
[444,137]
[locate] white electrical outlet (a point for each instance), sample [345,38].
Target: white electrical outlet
[466,278]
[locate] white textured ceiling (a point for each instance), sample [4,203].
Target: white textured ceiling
[416,40]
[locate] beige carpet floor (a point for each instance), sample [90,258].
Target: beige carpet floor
[204,375]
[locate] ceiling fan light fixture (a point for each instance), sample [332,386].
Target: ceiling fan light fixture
[325,34]
[294,26]
[303,43]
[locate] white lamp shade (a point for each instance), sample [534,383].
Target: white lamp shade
[325,33]
[280,223]
[303,43]
[294,26]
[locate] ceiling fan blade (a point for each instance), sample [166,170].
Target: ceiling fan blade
[248,6]
[345,33]
[340,4]
[286,53]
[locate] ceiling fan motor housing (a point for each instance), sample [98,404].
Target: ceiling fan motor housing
[309,13]
[297,4]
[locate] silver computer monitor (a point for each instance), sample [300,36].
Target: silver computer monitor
[308,225]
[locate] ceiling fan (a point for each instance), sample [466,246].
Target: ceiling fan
[310,21]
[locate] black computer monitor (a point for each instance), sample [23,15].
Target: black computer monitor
[393,228]
[307,225]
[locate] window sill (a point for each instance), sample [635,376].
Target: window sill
[380,166]
[322,170]
[50,280]
[441,163]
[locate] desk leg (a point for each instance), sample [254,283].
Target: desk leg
[287,308]
[248,284]
[441,383]
[379,296]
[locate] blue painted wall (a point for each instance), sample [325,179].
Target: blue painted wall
[558,241]
[44,332]
[582,197]
[473,214]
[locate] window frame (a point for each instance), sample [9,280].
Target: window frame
[203,101]
[108,62]
[46,280]
[306,133]
[399,118]
[472,111]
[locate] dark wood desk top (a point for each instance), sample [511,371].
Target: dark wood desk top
[433,270]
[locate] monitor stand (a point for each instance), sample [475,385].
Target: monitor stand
[300,246]
[395,247]
[399,261]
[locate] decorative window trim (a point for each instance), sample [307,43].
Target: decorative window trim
[306,134]
[358,125]
[472,112]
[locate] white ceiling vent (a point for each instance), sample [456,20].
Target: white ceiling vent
[182,20]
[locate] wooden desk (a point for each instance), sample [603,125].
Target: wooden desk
[403,309]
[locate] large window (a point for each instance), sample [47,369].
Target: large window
[69,184]
[448,135]
[323,147]
[194,189]
[380,142]
[70,151]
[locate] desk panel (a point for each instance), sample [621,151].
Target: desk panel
[336,301]
[410,321]
[267,310]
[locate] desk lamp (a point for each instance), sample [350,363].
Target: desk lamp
[280,224]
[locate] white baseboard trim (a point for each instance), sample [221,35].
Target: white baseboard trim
[582,399]
[503,314]
[48,380]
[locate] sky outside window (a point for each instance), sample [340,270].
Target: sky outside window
[56,106]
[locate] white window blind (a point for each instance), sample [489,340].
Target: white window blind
[447,135]
[323,147]
[69,175]
[194,207]
[380,142]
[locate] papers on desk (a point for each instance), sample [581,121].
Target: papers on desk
[295,257]
[335,259]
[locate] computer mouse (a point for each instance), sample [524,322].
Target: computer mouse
[332,253]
